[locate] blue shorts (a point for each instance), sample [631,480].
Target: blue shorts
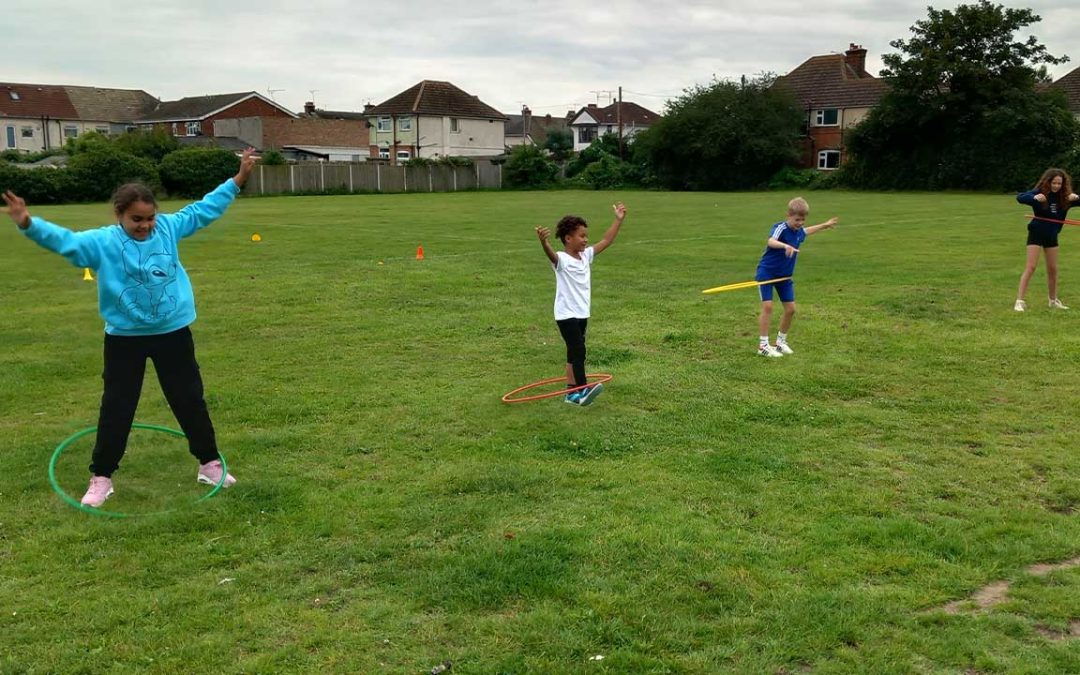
[785,289]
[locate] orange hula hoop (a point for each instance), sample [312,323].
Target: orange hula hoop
[508,397]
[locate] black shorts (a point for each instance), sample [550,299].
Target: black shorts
[1039,235]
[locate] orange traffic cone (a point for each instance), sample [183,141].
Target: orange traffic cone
[86,275]
[419,252]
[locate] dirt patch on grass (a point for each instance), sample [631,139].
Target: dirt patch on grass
[998,591]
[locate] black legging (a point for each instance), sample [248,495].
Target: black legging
[173,355]
[573,333]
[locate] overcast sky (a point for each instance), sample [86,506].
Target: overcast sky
[550,54]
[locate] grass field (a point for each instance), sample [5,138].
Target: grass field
[714,511]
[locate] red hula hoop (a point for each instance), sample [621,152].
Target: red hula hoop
[599,379]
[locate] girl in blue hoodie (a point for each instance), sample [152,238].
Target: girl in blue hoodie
[1050,200]
[145,298]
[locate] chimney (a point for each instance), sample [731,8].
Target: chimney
[592,105]
[855,58]
[368,106]
[309,108]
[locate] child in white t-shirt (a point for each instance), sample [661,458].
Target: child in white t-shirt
[573,293]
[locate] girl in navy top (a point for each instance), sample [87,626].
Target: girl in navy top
[1050,200]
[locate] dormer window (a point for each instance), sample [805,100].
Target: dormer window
[14,95]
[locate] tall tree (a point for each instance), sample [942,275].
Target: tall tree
[966,108]
[722,136]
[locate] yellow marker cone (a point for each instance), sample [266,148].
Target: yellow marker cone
[256,237]
[86,275]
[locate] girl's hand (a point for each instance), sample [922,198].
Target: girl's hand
[16,208]
[1074,197]
[543,233]
[620,211]
[247,163]
[1041,198]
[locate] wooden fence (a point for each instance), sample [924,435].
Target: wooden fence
[315,177]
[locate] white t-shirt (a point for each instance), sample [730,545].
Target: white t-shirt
[573,285]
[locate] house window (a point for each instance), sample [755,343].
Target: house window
[385,124]
[827,117]
[71,131]
[27,132]
[384,153]
[828,159]
[586,134]
[102,130]
[404,124]
[455,125]
[403,155]
[11,137]
[193,128]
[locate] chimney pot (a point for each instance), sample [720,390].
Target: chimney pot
[309,107]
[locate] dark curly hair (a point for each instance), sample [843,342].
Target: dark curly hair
[567,225]
[128,194]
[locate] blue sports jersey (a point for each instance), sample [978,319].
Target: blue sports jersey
[774,263]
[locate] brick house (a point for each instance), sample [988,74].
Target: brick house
[592,121]
[1070,84]
[836,93]
[434,119]
[196,115]
[528,129]
[36,117]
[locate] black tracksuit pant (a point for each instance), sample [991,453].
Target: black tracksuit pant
[173,355]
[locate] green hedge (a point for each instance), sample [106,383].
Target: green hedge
[195,171]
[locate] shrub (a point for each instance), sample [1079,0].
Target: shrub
[272,158]
[97,170]
[527,167]
[193,172]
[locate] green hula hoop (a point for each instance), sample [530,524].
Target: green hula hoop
[116,514]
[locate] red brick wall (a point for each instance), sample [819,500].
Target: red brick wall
[252,107]
[279,131]
[822,138]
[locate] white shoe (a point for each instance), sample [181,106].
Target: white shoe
[1057,304]
[783,348]
[1021,306]
[769,350]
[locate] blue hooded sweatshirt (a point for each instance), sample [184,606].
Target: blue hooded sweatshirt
[142,287]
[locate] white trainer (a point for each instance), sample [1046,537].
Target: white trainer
[1057,304]
[1020,306]
[783,348]
[769,350]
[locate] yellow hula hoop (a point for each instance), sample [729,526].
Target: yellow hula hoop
[743,284]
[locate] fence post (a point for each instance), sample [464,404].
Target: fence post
[262,181]
[430,185]
[405,178]
[292,178]
[500,176]
[455,178]
[378,177]
[322,177]
[476,170]
[350,177]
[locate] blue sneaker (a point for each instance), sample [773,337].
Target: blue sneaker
[589,395]
[574,397]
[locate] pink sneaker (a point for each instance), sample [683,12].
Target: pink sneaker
[210,474]
[99,490]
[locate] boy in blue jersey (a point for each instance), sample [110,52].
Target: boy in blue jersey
[778,262]
[145,298]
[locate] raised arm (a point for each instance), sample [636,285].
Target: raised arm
[1031,198]
[543,233]
[80,248]
[613,231]
[193,217]
[827,225]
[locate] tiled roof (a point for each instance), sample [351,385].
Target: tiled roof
[632,114]
[440,99]
[827,81]
[200,107]
[35,100]
[223,142]
[1071,84]
[337,115]
[112,105]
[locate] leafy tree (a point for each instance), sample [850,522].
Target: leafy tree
[723,136]
[98,169]
[603,146]
[560,143]
[272,158]
[964,110]
[153,144]
[193,172]
[527,166]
